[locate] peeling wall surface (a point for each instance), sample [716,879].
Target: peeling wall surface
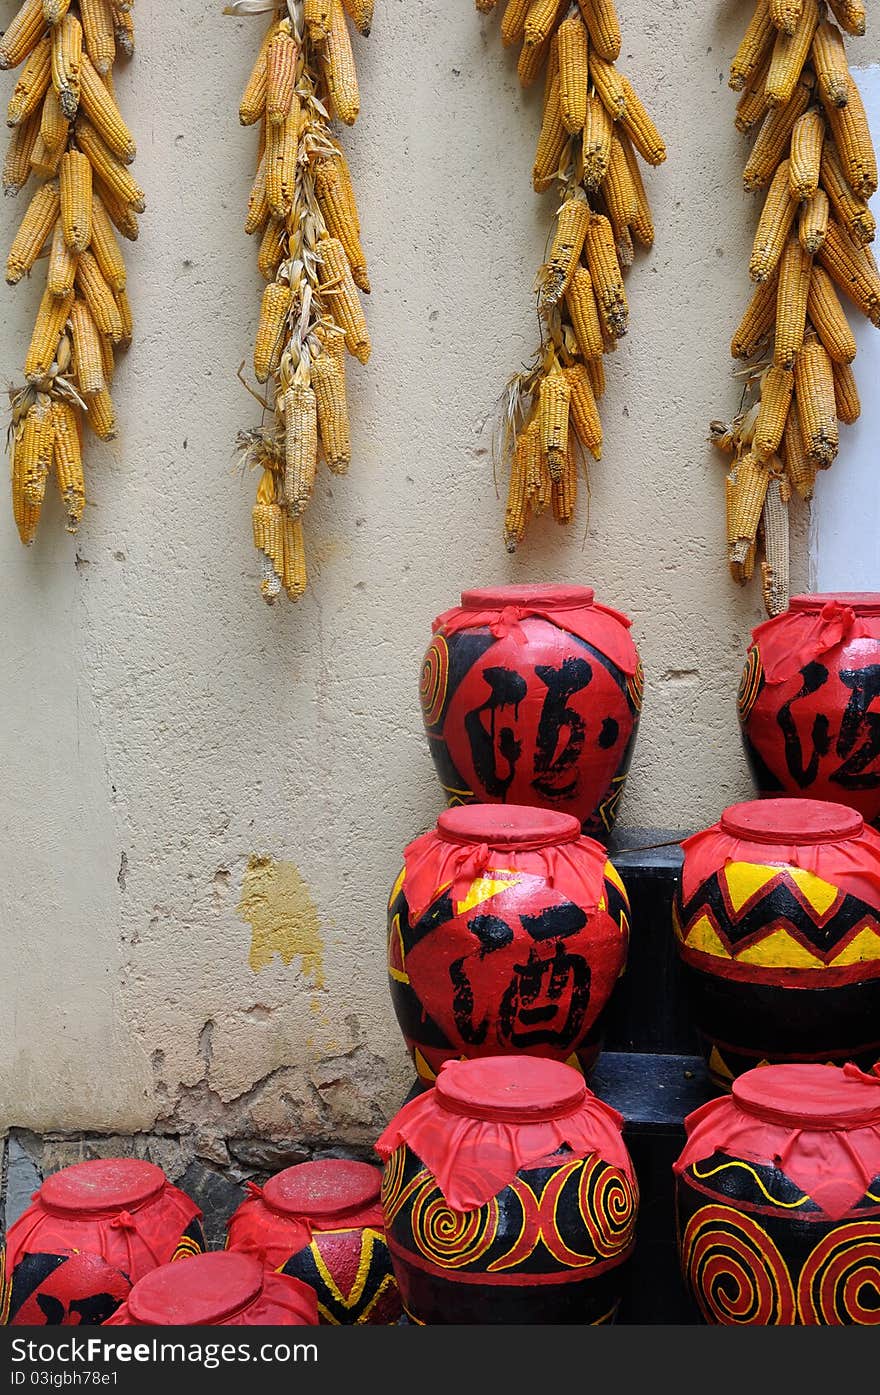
[204,800]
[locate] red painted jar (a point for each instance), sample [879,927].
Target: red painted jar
[507,932]
[809,702]
[778,1200]
[218,1290]
[532,695]
[777,921]
[322,1222]
[93,1230]
[509,1197]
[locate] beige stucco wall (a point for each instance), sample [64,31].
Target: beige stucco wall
[160,726]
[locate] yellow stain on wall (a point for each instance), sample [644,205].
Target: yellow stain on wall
[276,903]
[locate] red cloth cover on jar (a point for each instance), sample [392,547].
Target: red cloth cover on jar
[804,633]
[279,1219]
[474,1148]
[220,1289]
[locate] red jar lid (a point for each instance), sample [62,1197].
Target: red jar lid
[798,821]
[545,595]
[203,1290]
[104,1184]
[809,1096]
[514,1089]
[327,1187]
[862,602]
[507,826]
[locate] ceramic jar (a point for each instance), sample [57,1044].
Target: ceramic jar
[509,1197]
[532,695]
[809,701]
[322,1222]
[218,1290]
[777,921]
[92,1231]
[507,933]
[778,1200]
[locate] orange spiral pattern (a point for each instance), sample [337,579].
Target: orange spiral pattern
[434,680]
[450,1238]
[840,1282]
[735,1271]
[635,686]
[750,684]
[608,1203]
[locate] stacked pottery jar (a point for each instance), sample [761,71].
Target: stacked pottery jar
[809,703]
[778,1200]
[322,1223]
[777,922]
[509,1196]
[218,1290]
[532,695]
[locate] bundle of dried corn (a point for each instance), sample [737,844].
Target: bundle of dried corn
[302,207]
[594,128]
[68,132]
[815,162]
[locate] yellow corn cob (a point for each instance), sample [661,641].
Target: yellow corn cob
[36,226]
[799,469]
[17,165]
[272,330]
[772,139]
[340,215]
[295,578]
[123,306]
[529,442]
[830,64]
[328,385]
[333,340]
[66,63]
[846,394]
[104,114]
[43,163]
[828,320]
[30,89]
[76,200]
[757,322]
[105,248]
[555,397]
[620,196]
[807,139]
[580,301]
[258,203]
[36,449]
[22,35]
[790,52]
[107,362]
[282,144]
[513,21]
[531,60]
[318,19]
[54,10]
[775,574]
[552,142]
[572,222]
[253,100]
[849,209]
[774,225]
[752,105]
[596,370]
[88,359]
[642,222]
[573,52]
[98,31]
[62,264]
[112,172]
[855,149]
[361,13]
[851,271]
[300,447]
[102,416]
[603,25]
[598,130]
[608,83]
[280,74]
[639,126]
[54,126]
[850,15]
[346,182]
[339,68]
[564,494]
[541,21]
[268,524]
[99,297]
[272,248]
[606,276]
[51,319]
[814,380]
[123,31]
[68,461]
[814,222]
[785,14]
[750,479]
[776,389]
[583,412]
[517,511]
[121,214]
[757,42]
[795,267]
[339,289]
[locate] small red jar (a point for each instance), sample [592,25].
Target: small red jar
[507,933]
[532,695]
[218,1290]
[509,1197]
[809,701]
[322,1222]
[92,1231]
[778,1200]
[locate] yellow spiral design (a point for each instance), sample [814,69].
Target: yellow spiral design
[434,680]
[839,1285]
[635,686]
[608,1204]
[750,685]
[392,1184]
[735,1271]
[450,1238]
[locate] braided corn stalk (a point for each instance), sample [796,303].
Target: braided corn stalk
[814,163]
[303,212]
[594,130]
[68,133]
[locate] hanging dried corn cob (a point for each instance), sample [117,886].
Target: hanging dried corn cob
[68,132]
[814,162]
[594,129]
[302,208]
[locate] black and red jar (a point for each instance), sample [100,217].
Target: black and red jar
[219,1289]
